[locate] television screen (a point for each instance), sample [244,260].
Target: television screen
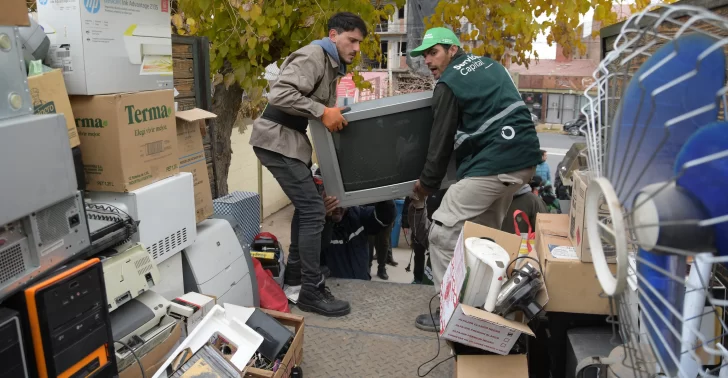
[385,150]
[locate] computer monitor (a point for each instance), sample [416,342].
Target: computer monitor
[382,151]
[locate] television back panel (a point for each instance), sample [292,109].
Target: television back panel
[16,96]
[37,167]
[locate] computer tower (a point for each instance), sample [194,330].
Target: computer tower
[165,210]
[12,351]
[67,322]
[41,241]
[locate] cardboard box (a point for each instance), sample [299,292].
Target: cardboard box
[109,46]
[577,225]
[15,13]
[572,284]
[190,124]
[512,366]
[153,360]
[49,96]
[294,356]
[470,326]
[199,303]
[128,140]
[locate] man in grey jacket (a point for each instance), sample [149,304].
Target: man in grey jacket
[306,89]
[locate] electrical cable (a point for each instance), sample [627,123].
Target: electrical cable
[432,317]
[110,208]
[543,276]
[285,367]
[139,362]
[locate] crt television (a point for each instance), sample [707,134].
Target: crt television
[380,154]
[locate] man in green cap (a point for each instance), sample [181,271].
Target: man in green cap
[479,117]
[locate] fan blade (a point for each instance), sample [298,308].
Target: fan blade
[702,170]
[654,121]
[657,316]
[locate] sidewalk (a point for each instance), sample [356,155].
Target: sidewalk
[279,224]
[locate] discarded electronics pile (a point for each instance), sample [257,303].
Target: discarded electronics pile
[114,258]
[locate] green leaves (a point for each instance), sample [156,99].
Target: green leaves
[248,35]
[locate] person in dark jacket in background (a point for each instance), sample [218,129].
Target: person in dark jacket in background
[528,202]
[346,234]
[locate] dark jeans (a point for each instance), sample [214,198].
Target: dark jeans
[308,218]
[382,241]
[419,270]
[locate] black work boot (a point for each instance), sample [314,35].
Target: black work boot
[321,301]
[424,322]
[382,273]
[292,276]
[390,259]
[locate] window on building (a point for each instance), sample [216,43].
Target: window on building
[400,13]
[403,49]
[384,45]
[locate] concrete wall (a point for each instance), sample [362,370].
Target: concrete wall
[243,174]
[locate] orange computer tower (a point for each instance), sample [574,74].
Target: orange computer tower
[68,323]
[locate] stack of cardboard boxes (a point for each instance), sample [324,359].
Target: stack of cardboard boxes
[564,251]
[114,59]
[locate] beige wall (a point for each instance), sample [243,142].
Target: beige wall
[243,174]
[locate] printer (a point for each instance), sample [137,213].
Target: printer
[215,264]
[128,272]
[147,40]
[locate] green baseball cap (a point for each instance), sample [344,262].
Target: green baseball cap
[436,36]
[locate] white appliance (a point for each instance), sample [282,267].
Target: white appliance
[487,262]
[216,265]
[171,286]
[138,316]
[166,211]
[128,272]
[144,40]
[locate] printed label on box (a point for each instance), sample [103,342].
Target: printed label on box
[563,252]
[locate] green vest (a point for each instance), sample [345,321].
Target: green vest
[495,131]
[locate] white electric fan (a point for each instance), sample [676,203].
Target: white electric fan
[658,160]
